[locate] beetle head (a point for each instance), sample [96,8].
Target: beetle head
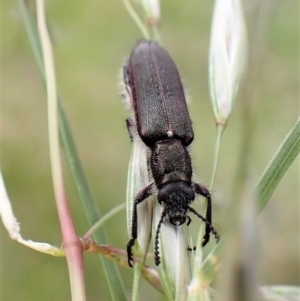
[176,197]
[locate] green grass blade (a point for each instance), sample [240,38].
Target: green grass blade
[110,271]
[32,33]
[285,155]
[91,210]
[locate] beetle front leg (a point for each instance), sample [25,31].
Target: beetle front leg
[142,195]
[200,189]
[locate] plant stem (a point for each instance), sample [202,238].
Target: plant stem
[220,131]
[71,242]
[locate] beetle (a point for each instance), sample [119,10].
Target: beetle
[162,122]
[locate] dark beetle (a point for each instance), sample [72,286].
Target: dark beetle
[164,125]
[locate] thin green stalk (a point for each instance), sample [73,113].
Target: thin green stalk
[156,35]
[136,19]
[104,218]
[136,280]
[220,131]
[199,254]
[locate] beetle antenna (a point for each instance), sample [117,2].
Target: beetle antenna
[212,229]
[156,242]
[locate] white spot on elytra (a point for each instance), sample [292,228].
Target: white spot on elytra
[170,134]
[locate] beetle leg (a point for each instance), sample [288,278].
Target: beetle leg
[200,189]
[208,224]
[142,195]
[189,220]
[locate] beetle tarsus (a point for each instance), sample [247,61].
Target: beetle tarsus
[208,225]
[129,252]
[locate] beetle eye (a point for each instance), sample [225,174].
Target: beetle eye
[161,197]
[190,195]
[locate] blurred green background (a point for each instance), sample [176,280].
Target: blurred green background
[91,40]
